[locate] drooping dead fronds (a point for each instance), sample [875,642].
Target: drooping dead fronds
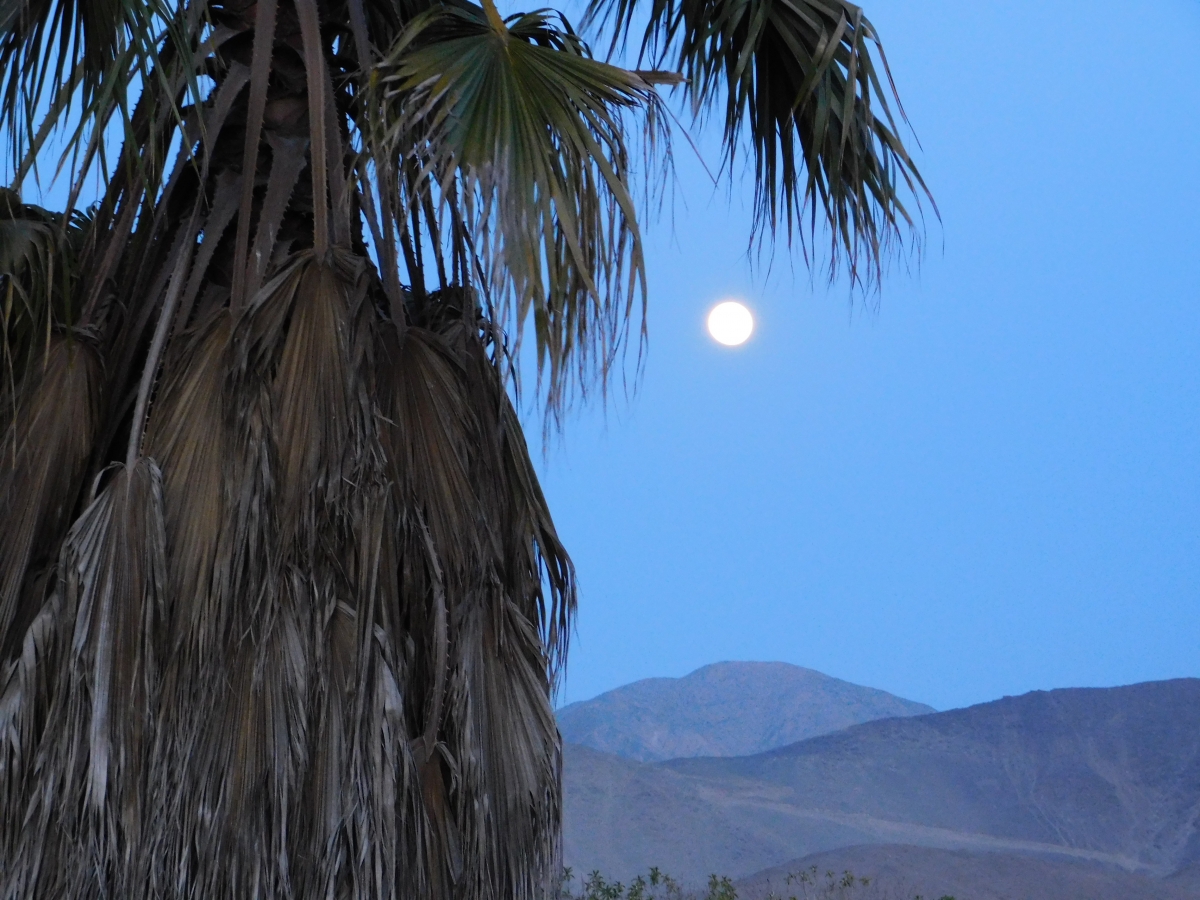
[45,453]
[39,276]
[482,571]
[320,427]
[92,758]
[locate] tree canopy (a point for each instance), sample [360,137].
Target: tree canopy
[281,602]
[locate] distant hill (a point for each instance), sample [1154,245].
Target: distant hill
[898,871]
[1105,776]
[1116,771]
[725,709]
[622,817]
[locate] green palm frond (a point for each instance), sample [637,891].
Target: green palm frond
[520,136]
[73,64]
[799,82]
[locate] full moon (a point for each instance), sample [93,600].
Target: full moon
[730,323]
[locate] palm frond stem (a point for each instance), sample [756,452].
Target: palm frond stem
[260,70]
[158,342]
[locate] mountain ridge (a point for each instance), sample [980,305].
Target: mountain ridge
[724,709]
[1096,775]
[1091,768]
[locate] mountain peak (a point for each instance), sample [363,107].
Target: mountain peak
[725,709]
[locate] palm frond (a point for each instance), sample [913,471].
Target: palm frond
[188,433]
[71,65]
[47,445]
[485,582]
[799,83]
[305,331]
[519,137]
[40,257]
[98,730]
[233,705]
[28,684]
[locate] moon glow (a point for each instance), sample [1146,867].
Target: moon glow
[730,323]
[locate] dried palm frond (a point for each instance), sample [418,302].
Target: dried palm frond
[51,411]
[305,335]
[39,276]
[100,722]
[485,583]
[189,435]
[28,684]
[45,453]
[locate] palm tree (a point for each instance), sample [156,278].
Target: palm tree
[281,602]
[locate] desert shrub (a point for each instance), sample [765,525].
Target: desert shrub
[807,884]
[812,884]
[655,885]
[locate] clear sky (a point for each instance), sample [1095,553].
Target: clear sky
[989,484]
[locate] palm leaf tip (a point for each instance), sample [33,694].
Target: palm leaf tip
[74,65]
[805,95]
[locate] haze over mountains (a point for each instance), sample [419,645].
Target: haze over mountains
[724,709]
[1099,785]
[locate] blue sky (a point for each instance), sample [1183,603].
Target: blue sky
[990,483]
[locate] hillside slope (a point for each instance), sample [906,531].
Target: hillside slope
[1108,776]
[898,871]
[725,709]
[623,817]
[1114,771]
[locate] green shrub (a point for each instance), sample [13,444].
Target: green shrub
[653,886]
[808,884]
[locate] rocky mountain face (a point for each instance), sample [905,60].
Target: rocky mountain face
[1107,778]
[725,709]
